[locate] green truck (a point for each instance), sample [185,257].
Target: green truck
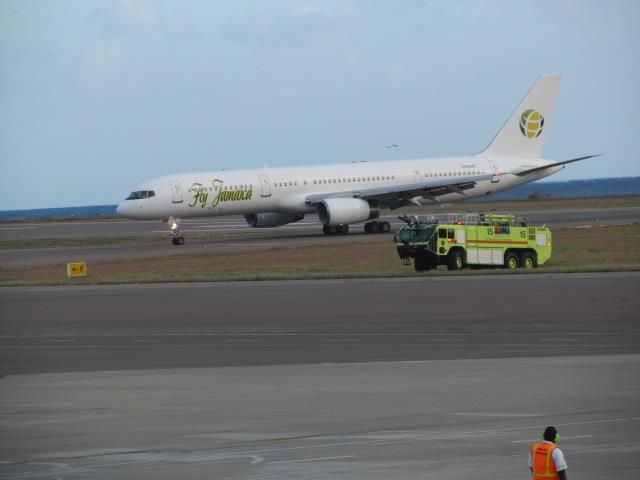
[473,241]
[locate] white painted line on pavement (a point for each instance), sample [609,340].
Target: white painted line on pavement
[313,459]
[533,440]
[487,414]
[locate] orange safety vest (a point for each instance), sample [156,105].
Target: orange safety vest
[543,466]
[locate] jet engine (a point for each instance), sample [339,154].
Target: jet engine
[345,211]
[271,219]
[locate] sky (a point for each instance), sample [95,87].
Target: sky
[98,96]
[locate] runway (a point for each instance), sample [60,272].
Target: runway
[231,234]
[264,323]
[408,378]
[119,228]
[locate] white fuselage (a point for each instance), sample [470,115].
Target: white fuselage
[286,189]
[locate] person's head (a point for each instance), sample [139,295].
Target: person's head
[550,434]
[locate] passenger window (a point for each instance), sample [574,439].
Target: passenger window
[442,233]
[451,233]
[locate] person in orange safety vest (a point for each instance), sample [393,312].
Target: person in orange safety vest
[546,461]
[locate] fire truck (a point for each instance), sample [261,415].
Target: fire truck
[472,240]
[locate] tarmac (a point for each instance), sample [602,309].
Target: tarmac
[408,378]
[92,328]
[232,234]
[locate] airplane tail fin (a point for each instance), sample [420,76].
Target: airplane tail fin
[525,131]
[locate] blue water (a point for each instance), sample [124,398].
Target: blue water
[97,211]
[574,188]
[600,187]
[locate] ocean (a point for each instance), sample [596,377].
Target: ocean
[601,187]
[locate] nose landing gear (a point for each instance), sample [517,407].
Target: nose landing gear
[174,231]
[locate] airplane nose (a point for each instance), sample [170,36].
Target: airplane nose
[120,210]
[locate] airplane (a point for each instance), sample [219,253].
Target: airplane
[350,193]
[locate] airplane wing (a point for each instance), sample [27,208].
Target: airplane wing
[524,170]
[397,196]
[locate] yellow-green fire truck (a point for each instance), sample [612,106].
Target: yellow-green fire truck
[472,240]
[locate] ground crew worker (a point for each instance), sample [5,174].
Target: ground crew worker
[546,461]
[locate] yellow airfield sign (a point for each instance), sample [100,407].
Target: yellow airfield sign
[77,269]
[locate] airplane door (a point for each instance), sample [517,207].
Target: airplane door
[496,173]
[265,186]
[176,192]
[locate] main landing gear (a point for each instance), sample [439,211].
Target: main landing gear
[174,231]
[377,227]
[335,229]
[369,227]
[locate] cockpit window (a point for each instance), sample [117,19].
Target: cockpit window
[141,194]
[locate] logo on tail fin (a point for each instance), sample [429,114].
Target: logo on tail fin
[531,123]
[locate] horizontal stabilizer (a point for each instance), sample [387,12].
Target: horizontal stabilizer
[527,170]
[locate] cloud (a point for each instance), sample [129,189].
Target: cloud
[141,16]
[107,55]
[279,25]
[305,9]
[137,12]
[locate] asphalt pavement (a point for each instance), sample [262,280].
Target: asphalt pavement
[92,328]
[363,379]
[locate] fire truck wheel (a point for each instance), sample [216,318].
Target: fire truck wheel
[455,260]
[511,261]
[420,263]
[528,260]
